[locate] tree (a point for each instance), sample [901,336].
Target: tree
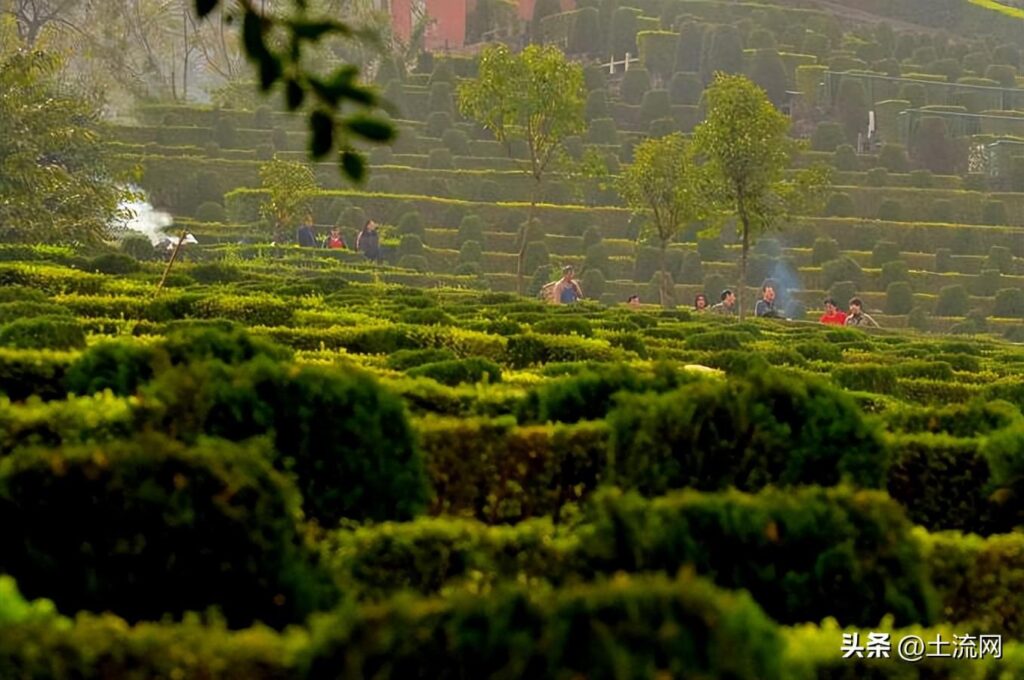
[288,186]
[275,42]
[663,184]
[55,182]
[535,97]
[745,151]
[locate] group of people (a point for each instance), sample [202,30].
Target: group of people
[367,240]
[765,308]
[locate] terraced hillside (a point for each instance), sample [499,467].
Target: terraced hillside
[274,461]
[924,221]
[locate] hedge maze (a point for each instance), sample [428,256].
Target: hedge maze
[294,463]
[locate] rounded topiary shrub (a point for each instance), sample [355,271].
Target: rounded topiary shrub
[597,258]
[877,177]
[138,247]
[471,228]
[692,270]
[603,131]
[411,223]
[457,371]
[1009,303]
[994,212]
[824,250]
[120,366]
[410,244]
[827,136]
[116,264]
[456,141]
[537,256]
[843,269]
[655,105]
[953,301]
[440,159]
[416,263]
[597,105]
[890,210]
[43,332]
[842,291]
[470,251]
[899,298]
[764,428]
[210,211]
[149,527]
[593,282]
[1000,258]
[921,179]
[918,319]
[635,83]
[220,340]
[894,271]
[468,269]
[438,123]
[839,204]
[884,251]
[346,439]
[986,283]
[845,158]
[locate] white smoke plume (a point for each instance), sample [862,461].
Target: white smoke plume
[139,216]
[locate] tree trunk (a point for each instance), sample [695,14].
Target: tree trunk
[663,284]
[524,230]
[743,261]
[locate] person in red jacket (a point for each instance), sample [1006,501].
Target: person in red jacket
[833,315]
[335,241]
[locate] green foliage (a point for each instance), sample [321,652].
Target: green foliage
[526,626]
[635,85]
[52,149]
[839,204]
[43,332]
[825,250]
[288,185]
[346,439]
[220,527]
[120,366]
[662,185]
[762,429]
[746,151]
[953,301]
[899,298]
[282,61]
[538,85]
[827,136]
[809,535]
[456,371]
[114,263]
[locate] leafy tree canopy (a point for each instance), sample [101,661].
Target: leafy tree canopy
[744,147]
[55,182]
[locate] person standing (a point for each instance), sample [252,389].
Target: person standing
[368,241]
[766,305]
[566,290]
[335,241]
[727,304]
[700,303]
[306,237]
[833,316]
[857,317]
